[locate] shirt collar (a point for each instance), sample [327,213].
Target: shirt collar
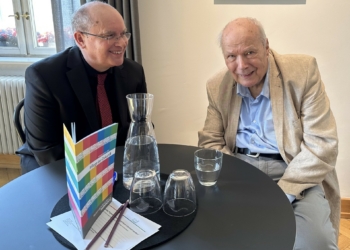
[244,91]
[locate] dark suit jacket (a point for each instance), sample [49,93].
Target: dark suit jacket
[58,91]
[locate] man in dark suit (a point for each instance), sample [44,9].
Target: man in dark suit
[63,88]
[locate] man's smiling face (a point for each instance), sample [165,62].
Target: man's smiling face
[245,54]
[98,52]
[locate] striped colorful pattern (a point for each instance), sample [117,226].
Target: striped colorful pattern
[89,172]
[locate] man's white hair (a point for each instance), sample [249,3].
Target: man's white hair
[252,20]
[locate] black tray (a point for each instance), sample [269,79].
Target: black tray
[170,226]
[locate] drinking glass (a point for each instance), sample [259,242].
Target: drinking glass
[145,192]
[179,194]
[208,163]
[140,152]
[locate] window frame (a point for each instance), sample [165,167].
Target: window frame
[27,43]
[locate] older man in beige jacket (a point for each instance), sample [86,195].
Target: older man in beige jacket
[305,136]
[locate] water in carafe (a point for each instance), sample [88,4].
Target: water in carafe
[141,152]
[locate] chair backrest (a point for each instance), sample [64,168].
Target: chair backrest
[17,121]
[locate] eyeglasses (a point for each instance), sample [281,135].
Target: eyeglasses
[111,38]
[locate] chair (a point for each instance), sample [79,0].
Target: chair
[17,121]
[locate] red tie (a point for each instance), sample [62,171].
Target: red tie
[102,101]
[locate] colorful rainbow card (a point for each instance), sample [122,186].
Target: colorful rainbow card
[89,172]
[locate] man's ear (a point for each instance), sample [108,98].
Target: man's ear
[267,46]
[80,39]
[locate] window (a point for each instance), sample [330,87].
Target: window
[26,28]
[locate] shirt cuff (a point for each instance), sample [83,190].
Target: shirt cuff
[290,197]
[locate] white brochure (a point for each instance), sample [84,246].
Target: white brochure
[132,229]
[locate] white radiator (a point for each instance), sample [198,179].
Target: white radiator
[12,89]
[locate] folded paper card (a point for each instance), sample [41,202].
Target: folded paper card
[89,172]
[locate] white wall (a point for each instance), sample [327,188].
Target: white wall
[180,52]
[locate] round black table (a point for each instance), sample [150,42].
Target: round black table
[244,210]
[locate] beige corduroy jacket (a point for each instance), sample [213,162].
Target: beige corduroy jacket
[304,124]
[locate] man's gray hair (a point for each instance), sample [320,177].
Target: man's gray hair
[81,19]
[252,20]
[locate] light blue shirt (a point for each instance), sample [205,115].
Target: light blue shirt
[255,127]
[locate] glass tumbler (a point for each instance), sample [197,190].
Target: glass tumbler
[145,193]
[179,194]
[208,163]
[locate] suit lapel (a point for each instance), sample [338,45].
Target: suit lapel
[120,78]
[277,104]
[79,81]
[233,108]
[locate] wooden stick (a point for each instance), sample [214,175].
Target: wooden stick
[104,227]
[116,223]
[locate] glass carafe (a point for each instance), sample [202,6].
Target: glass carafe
[140,109]
[141,150]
